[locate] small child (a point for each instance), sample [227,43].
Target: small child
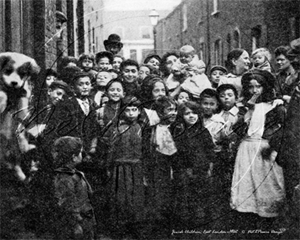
[197,80]
[51,76]
[261,59]
[74,214]
[159,151]
[216,72]
[183,97]
[126,167]
[231,114]
[189,58]
[104,60]
[103,77]
[130,70]
[109,113]
[86,63]
[210,105]
[144,71]
[117,62]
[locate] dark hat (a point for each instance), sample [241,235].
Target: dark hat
[60,16]
[60,84]
[113,39]
[147,59]
[80,75]
[102,54]
[262,75]
[218,67]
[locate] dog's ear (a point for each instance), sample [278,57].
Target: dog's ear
[4,60]
[28,69]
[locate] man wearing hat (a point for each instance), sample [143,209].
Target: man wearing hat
[113,44]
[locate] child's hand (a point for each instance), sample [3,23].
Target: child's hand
[253,99]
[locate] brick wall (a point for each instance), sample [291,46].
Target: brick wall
[273,23]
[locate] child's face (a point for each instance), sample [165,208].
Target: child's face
[255,88]
[159,90]
[169,114]
[130,73]
[182,98]
[115,92]
[216,75]
[190,117]
[132,113]
[228,99]
[50,79]
[154,63]
[104,63]
[87,64]
[83,86]
[56,95]
[209,105]
[186,57]
[144,72]
[103,78]
[117,62]
[258,59]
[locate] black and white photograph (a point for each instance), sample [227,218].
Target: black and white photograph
[149,119]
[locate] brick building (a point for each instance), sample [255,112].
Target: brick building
[214,27]
[29,27]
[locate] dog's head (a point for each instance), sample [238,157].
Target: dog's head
[16,69]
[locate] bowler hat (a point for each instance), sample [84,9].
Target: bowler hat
[113,39]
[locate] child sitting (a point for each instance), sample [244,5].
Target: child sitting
[188,61]
[197,80]
[73,211]
[261,59]
[216,72]
[102,78]
[86,63]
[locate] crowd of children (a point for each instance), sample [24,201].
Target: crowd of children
[146,151]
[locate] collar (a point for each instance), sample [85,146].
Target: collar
[233,111]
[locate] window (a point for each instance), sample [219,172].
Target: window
[133,54]
[228,41]
[184,18]
[89,36]
[94,50]
[145,32]
[236,38]
[255,36]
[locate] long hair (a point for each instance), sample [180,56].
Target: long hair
[265,79]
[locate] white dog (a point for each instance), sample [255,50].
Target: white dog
[16,69]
